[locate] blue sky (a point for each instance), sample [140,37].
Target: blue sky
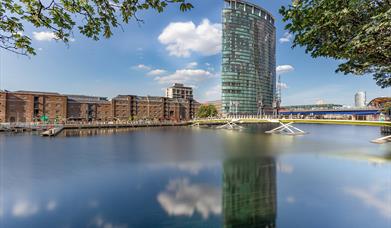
[145,58]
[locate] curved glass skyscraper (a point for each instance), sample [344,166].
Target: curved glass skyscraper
[249,59]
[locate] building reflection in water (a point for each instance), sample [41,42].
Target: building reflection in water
[249,192]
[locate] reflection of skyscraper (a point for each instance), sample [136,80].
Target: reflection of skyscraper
[249,192]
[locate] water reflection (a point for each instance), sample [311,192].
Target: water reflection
[249,192]
[196,178]
[181,197]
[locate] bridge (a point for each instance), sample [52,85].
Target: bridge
[270,119]
[353,112]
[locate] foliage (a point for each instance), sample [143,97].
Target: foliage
[387,108]
[93,18]
[205,111]
[357,32]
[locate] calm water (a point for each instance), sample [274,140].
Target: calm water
[183,177]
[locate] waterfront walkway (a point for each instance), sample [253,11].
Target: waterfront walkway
[21,127]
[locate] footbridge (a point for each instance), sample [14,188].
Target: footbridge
[286,125]
[270,119]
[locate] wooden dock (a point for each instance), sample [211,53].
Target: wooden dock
[53,132]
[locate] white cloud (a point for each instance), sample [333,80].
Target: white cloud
[183,38]
[290,199]
[181,198]
[286,38]
[282,85]
[156,72]
[214,93]
[373,198]
[24,208]
[282,69]
[185,76]
[44,36]
[142,67]
[191,65]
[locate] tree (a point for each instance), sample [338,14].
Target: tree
[93,18]
[205,111]
[357,32]
[387,109]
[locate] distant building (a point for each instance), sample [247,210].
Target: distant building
[88,108]
[313,107]
[379,102]
[27,106]
[249,59]
[320,102]
[178,90]
[360,99]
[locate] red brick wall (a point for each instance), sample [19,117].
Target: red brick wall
[3,106]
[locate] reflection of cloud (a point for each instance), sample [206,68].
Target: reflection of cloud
[373,198]
[191,167]
[93,203]
[285,168]
[98,221]
[183,198]
[24,208]
[51,205]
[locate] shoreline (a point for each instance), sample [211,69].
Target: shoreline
[28,128]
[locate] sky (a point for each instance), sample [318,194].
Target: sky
[173,46]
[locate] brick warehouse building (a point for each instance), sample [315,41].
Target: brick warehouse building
[28,106]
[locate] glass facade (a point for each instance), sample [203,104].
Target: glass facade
[249,59]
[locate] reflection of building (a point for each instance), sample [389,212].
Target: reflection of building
[249,192]
[249,60]
[179,91]
[360,99]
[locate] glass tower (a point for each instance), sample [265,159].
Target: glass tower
[249,59]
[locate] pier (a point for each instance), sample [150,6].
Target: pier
[55,129]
